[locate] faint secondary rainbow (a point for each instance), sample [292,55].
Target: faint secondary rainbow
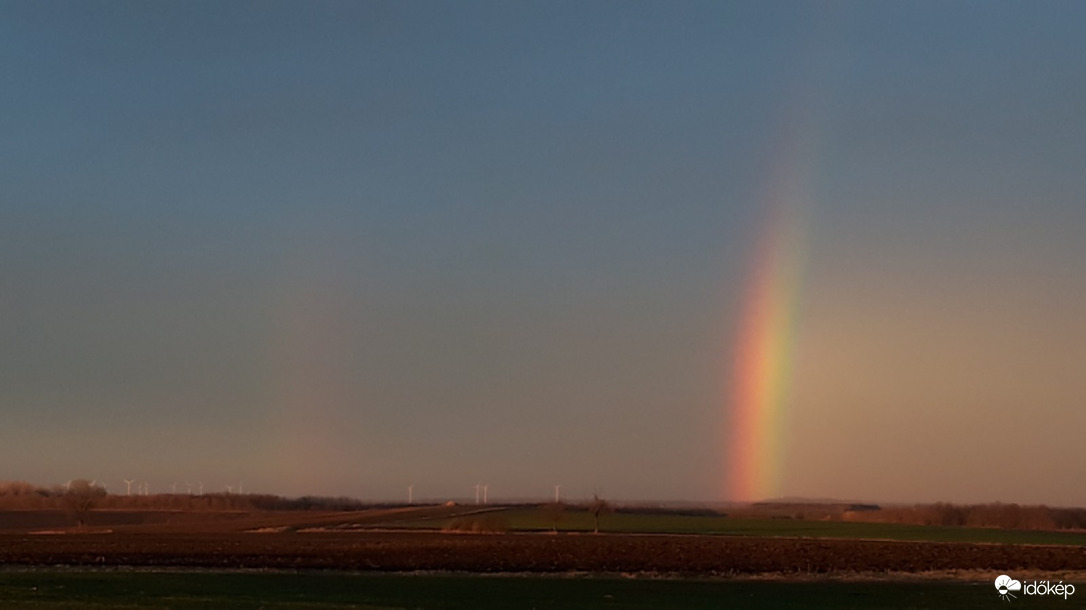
[761,373]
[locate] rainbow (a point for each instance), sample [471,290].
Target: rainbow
[761,375]
[758,392]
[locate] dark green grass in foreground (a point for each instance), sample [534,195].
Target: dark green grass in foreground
[66,589]
[532,518]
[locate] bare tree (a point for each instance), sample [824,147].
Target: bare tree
[80,497]
[599,507]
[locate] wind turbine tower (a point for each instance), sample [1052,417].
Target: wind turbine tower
[556,488]
[410,493]
[485,487]
[129,482]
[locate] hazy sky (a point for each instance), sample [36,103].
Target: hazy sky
[341,247]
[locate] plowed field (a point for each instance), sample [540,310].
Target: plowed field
[538,553]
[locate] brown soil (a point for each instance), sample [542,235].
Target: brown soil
[540,553]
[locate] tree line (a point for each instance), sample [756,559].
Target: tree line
[86,495]
[1007,516]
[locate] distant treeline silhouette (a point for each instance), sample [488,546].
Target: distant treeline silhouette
[20,495]
[80,496]
[1008,516]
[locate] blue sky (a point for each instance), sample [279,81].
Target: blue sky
[339,248]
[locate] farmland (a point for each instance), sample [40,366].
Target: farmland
[388,557]
[536,519]
[59,590]
[688,555]
[521,518]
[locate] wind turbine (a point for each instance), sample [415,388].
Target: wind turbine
[477,486]
[410,493]
[229,489]
[201,487]
[556,488]
[189,487]
[129,482]
[485,487]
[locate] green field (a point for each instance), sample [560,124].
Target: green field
[52,589]
[572,520]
